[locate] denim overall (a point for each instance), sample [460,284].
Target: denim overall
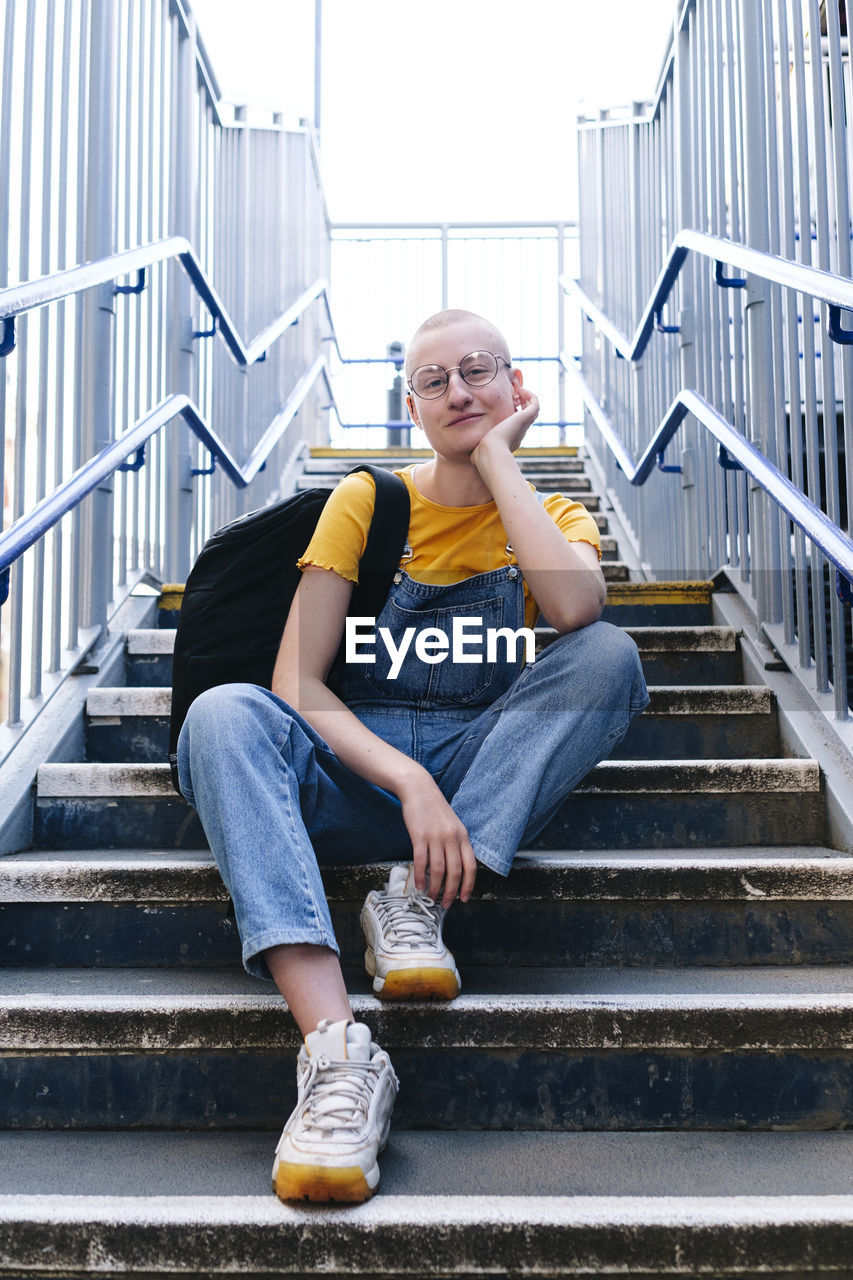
[506,741]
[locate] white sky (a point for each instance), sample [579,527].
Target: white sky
[441,109]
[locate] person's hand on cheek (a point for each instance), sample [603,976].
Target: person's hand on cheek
[510,432]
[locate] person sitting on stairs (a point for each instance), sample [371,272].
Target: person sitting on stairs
[418,752]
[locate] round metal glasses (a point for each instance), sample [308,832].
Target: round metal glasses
[478,369]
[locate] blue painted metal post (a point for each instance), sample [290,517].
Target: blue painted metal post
[760,412]
[97,426]
[182,363]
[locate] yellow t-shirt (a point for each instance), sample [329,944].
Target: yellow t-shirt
[445,544]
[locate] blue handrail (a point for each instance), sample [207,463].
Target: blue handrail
[21,298]
[27,531]
[815,524]
[835,290]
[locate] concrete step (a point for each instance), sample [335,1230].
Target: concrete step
[392,454]
[690,655]
[671,655]
[625,908]
[568,482]
[621,804]
[659,604]
[148,656]
[132,724]
[530,465]
[703,721]
[550,1205]
[547,1049]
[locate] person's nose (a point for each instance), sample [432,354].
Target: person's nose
[458,391]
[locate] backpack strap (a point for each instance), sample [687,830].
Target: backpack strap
[385,540]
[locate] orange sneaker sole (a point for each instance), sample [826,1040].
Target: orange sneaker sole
[420,984]
[314,1182]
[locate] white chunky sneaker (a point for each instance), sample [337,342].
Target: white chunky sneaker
[329,1147]
[406,956]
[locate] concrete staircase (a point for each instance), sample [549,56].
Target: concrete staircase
[649,1072]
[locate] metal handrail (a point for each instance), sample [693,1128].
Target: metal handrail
[835,290]
[33,294]
[27,531]
[815,524]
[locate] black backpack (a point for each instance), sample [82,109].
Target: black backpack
[238,593]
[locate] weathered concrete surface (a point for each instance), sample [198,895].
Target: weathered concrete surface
[735,907]
[129,702]
[137,875]
[608,1008]
[701,700]
[763,776]
[717,776]
[436,1236]
[132,724]
[97,780]
[665,700]
[151,641]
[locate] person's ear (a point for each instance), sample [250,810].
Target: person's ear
[410,405]
[516,379]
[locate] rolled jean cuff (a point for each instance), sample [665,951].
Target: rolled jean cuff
[253,961]
[496,862]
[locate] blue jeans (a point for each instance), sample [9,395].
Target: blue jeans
[275,802]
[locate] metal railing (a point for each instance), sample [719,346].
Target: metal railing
[112,137]
[396,274]
[742,159]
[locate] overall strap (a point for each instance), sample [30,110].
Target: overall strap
[385,540]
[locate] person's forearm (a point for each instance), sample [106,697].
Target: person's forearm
[440,842]
[569,591]
[352,742]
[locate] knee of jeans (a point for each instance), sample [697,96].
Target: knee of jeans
[610,654]
[226,711]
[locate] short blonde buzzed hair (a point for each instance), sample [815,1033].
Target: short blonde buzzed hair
[444,319]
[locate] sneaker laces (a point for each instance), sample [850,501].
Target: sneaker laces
[411,921]
[336,1095]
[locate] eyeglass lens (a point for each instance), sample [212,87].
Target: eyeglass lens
[477,369]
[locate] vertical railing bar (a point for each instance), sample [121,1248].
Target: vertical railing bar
[688,525]
[121,513]
[797,55]
[844,355]
[719,369]
[75,576]
[5,191]
[757,320]
[139,311]
[42,434]
[706,307]
[801,626]
[848,362]
[98,425]
[154,99]
[830,433]
[784,590]
[5,249]
[16,629]
[167,274]
[723,389]
[62,360]
[734,306]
